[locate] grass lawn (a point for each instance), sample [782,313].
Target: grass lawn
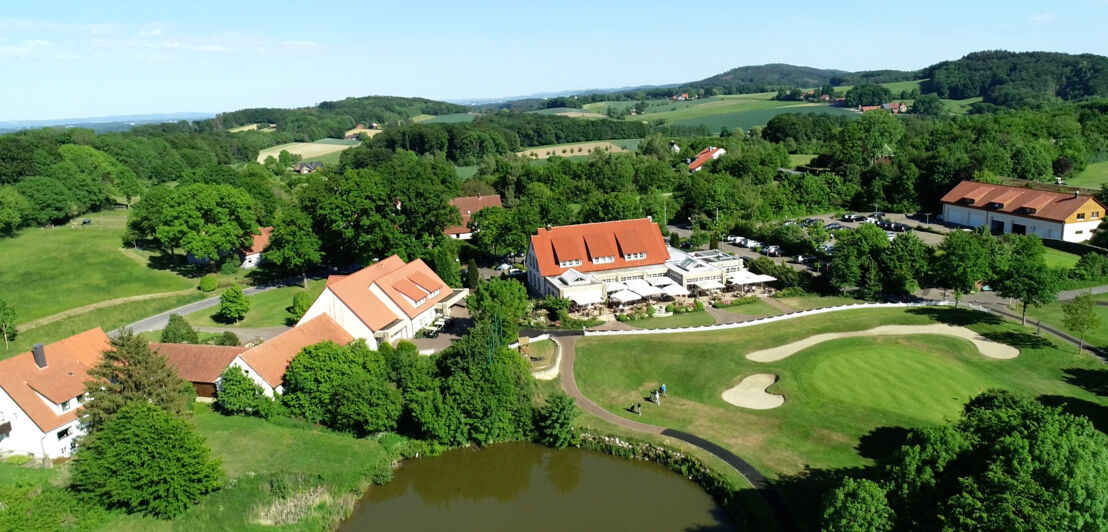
[267,309]
[1060,259]
[689,319]
[465,172]
[1093,176]
[814,301]
[47,271]
[1052,315]
[757,308]
[107,318]
[330,159]
[960,107]
[843,397]
[450,118]
[801,159]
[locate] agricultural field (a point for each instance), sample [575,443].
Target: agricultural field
[448,119]
[1094,176]
[840,400]
[759,117]
[570,112]
[47,271]
[310,151]
[360,130]
[573,148]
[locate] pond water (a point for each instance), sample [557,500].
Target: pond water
[521,486]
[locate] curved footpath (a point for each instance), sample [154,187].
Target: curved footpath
[786,522]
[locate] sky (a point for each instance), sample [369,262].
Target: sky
[66,59]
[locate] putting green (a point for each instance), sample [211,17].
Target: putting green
[927,377]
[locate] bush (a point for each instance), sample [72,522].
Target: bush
[178,331]
[230,266]
[301,302]
[1089,267]
[228,338]
[555,421]
[208,283]
[792,291]
[736,302]
[233,305]
[699,305]
[669,308]
[145,460]
[239,395]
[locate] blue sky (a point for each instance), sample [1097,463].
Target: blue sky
[83,59]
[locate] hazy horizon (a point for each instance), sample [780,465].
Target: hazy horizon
[131,58]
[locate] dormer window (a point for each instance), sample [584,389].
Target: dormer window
[570,263]
[66,405]
[635,256]
[603,260]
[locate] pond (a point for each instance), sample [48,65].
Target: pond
[521,486]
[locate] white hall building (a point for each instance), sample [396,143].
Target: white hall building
[1024,211]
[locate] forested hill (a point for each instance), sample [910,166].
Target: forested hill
[763,78]
[1010,79]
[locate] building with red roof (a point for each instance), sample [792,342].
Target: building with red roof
[467,206]
[252,256]
[266,362]
[200,364]
[41,392]
[1005,209]
[390,300]
[710,153]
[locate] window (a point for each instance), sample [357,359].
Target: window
[1078,232]
[603,260]
[634,256]
[64,433]
[1080,216]
[1095,215]
[65,405]
[570,263]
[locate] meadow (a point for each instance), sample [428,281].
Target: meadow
[570,149]
[449,119]
[267,309]
[308,150]
[1093,176]
[843,398]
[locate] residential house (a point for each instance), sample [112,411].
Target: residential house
[710,153]
[681,97]
[41,392]
[825,97]
[266,363]
[200,364]
[1005,209]
[308,167]
[895,107]
[387,301]
[868,108]
[468,205]
[252,256]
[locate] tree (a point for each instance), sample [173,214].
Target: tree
[365,403]
[206,220]
[928,105]
[228,338]
[904,264]
[473,275]
[301,302]
[961,262]
[1079,316]
[146,460]
[7,322]
[1027,277]
[50,200]
[178,331]
[555,421]
[868,94]
[13,209]
[130,372]
[857,506]
[504,297]
[239,395]
[293,245]
[233,305]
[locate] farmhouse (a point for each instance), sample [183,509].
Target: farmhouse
[41,391]
[468,205]
[710,153]
[252,256]
[266,363]
[895,107]
[201,365]
[308,167]
[387,301]
[1005,209]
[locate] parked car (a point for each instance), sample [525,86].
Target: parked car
[833,226]
[790,222]
[751,244]
[731,238]
[878,214]
[686,244]
[772,251]
[504,267]
[741,241]
[853,217]
[900,228]
[809,221]
[869,220]
[804,259]
[828,249]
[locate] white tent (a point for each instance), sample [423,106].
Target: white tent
[661,281]
[675,290]
[624,296]
[615,286]
[643,288]
[745,277]
[587,298]
[709,284]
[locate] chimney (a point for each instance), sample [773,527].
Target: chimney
[40,355]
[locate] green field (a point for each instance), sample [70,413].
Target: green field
[466,172]
[450,119]
[1051,314]
[690,319]
[256,455]
[330,159]
[267,309]
[627,144]
[1060,259]
[960,107]
[1094,175]
[757,308]
[838,395]
[47,271]
[759,117]
[814,301]
[801,159]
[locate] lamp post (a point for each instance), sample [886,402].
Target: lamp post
[927,218]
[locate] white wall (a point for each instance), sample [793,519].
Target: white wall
[1070,234]
[252,260]
[328,303]
[26,437]
[1045,229]
[238,362]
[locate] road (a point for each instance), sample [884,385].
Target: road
[159,321]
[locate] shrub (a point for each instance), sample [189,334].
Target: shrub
[301,302]
[792,291]
[208,283]
[699,305]
[230,266]
[240,395]
[669,308]
[178,331]
[650,310]
[555,421]
[146,460]
[1089,267]
[233,305]
[735,302]
[228,338]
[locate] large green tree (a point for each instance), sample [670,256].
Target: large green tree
[555,421]
[1027,277]
[146,460]
[345,387]
[293,245]
[904,264]
[961,261]
[506,298]
[14,208]
[240,395]
[131,372]
[207,220]
[178,331]
[857,506]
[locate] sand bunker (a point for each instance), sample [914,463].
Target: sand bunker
[987,347]
[751,393]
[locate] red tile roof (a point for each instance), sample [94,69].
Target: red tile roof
[468,205]
[395,279]
[705,155]
[63,378]
[619,238]
[271,358]
[868,108]
[198,362]
[260,241]
[1040,204]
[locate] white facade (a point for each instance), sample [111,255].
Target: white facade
[1047,229]
[328,303]
[25,437]
[268,390]
[251,261]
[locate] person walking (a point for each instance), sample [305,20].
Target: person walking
[663,389]
[640,409]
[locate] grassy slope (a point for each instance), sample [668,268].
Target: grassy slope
[1052,315]
[466,172]
[451,118]
[1060,259]
[832,398]
[691,319]
[757,308]
[759,117]
[48,271]
[1093,176]
[267,309]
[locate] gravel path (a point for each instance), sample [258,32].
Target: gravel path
[987,347]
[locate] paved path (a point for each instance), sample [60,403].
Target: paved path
[99,305]
[786,522]
[159,321]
